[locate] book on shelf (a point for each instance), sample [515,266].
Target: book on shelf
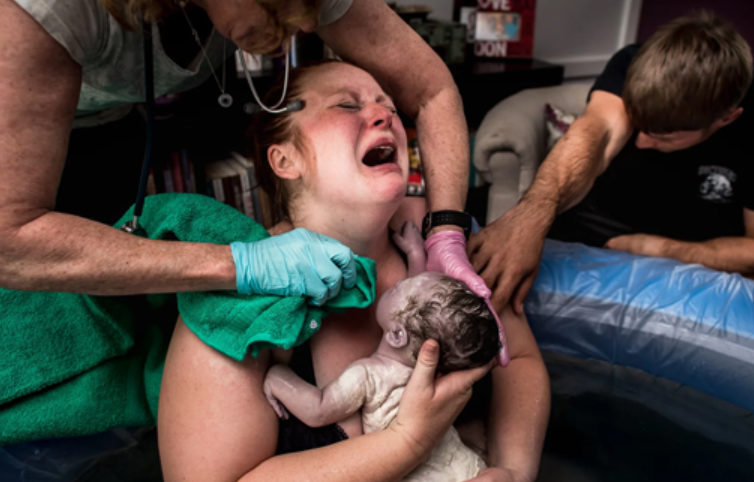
[260,199]
[230,184]
[250,182]
[177,172]
[167,177]
[214,181]
[151,183]
[187,169]
[245,194]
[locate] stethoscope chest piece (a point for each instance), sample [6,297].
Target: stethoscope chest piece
[133,227]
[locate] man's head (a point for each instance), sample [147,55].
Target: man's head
[436,306]
[686,82]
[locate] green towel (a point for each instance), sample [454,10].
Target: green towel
[75,364]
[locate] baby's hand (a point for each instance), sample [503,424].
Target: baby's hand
[274,402]
[409,239]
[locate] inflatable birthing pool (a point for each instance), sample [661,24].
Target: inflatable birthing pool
[652,367]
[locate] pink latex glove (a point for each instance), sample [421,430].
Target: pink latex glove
[446,253]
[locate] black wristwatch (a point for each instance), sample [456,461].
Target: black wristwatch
[441,218]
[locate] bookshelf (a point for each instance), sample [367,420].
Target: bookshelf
[200,147]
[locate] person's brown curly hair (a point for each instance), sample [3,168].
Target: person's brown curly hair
[130,12]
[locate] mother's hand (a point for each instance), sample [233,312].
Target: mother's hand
[429,405]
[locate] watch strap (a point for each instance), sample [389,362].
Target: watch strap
[443,218]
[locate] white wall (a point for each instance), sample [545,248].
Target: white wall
[582,35]
[441,9]
[579,34]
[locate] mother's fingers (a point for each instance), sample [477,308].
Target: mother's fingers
[460,382]
[426,366]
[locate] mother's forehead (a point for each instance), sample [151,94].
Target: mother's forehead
[341,77]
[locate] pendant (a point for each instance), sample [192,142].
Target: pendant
[225,100]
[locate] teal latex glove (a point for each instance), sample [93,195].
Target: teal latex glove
[297,263]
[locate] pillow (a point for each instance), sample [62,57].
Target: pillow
[557,123]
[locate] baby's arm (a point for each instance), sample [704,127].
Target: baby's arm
[411,242]
[316,408]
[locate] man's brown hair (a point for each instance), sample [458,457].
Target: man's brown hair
[690,73]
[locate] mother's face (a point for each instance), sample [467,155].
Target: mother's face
[248,25]
[356,151]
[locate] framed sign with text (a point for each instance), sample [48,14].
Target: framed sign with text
[504,28]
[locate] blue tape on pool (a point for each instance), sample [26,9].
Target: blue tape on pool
[685,323]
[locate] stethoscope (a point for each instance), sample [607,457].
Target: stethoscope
[132,226]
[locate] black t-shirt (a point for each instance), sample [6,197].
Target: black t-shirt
[694,194]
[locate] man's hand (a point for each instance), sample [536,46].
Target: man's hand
[506,253]
[497,474]
[646,244]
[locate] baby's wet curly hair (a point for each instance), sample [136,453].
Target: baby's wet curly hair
[460,322]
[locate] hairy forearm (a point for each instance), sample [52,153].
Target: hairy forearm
[64,253]
[518,416]
[569,171]
[444,143]
[733,255]
[384,456]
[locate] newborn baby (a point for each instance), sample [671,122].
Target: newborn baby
[425,305]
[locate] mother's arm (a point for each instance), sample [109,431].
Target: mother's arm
[520,405]
[216,425]
[43,250]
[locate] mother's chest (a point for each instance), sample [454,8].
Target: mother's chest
[350,336]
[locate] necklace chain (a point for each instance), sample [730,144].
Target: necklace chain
[224,98]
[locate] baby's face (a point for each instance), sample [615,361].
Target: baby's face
[419,287]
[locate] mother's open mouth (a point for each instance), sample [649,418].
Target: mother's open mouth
[379,155]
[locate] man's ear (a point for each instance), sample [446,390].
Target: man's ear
[731,116]
[282,162]
[396,335]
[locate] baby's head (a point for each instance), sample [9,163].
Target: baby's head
[432,305]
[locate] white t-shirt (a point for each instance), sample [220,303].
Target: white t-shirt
[112,58]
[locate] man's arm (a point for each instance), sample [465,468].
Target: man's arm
[339,399]
[569,171]
[733,255]
[373,37]
[507,252]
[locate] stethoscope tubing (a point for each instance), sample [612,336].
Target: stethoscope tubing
[132,226]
